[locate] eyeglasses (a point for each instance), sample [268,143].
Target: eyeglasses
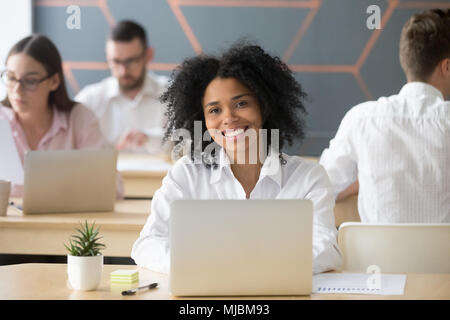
[28,84]
[127,63]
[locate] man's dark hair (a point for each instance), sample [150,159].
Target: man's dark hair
[279,94]
[424,42]
[128,30]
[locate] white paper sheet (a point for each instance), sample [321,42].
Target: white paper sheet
[157,165]
[10,165]
[359,283]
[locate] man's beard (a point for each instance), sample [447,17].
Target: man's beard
[137,84]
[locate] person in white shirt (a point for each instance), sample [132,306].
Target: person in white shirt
[397,149]
[234,98]
[127,104]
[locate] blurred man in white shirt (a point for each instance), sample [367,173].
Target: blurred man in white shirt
[395,152]
[127,103]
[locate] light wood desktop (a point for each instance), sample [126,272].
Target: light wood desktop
[49,281]
[46,234]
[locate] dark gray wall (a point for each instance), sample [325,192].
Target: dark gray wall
[338,60]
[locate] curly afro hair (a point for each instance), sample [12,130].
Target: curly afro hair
[280,96]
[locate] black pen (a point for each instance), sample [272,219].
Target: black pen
[133,291]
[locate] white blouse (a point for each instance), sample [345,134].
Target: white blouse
[296,178]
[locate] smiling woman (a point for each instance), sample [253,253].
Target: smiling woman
[264,82]
[244,90]
[231,112]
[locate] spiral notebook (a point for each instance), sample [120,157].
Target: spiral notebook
[359,283]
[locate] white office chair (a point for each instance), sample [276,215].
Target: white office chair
[398,248]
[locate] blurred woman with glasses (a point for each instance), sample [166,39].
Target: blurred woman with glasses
[37,106]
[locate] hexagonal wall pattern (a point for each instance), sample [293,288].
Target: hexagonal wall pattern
[339,61]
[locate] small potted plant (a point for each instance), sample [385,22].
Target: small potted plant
[85,261]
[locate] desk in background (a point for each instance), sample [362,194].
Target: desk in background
[142,174]
[45,234]
[49,281]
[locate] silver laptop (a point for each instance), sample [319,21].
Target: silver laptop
[69,181]
[240,247]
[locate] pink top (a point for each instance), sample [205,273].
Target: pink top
[78,129]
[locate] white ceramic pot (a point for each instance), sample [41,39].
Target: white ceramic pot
[85,273]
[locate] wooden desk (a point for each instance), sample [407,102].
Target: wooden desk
[142,174]
[49,281]
[46,233]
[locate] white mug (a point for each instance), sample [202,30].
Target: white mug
[5,190]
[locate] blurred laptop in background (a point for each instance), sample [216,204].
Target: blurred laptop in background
[69,181]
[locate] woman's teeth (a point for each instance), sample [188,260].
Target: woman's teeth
[233,133]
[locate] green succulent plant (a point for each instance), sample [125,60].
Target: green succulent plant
[85,243]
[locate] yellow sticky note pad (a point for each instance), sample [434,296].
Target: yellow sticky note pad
[124,276]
